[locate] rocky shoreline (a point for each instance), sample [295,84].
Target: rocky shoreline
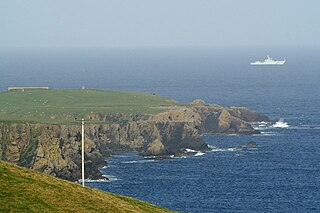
[55,149]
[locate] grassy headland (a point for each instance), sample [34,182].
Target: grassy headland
[64,105]
[23,190]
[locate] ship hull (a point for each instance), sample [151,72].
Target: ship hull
[266,63]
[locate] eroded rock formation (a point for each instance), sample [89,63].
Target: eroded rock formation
[56,149]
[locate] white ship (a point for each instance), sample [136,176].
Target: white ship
[268,61]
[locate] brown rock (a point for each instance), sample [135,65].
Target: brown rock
[251,144]
[56,149]
[224,120]
[198,102]
[154,148]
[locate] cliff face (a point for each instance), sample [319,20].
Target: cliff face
[214,119]
[56,149]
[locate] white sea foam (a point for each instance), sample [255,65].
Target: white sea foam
[231,149]
[139,161]
[259,128]
[190,150]
[218,150]
[266,134]
[199,154]
[178,157]
[281,124]
[261,123]
[93,181]
[262,126]
[120,156]
[148,157]
[211,147]
[133,161]
[111,178]
[223,150]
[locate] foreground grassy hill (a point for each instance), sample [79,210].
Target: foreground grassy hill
[64,105]
[23,190]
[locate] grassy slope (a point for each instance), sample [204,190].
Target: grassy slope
[23,190]
[62,106]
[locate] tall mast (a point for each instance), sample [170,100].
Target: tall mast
[82,150]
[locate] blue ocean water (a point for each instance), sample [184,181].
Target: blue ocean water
[281,174]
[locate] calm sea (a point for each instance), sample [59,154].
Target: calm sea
[281,174]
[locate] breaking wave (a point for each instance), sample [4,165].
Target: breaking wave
[93,181]
[140,161]
[268,134]
[280,124]
[199,154]
[111,178]
[223,150]
[190,150]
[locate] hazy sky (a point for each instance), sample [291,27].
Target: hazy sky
[101,23]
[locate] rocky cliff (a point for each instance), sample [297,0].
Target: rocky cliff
[55,149]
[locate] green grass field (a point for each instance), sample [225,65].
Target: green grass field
[24,190]
[64,105]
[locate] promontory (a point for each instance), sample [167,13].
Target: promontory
[40,128]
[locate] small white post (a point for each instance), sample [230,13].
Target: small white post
[82,150]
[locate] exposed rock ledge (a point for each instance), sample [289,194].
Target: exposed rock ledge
[55,149]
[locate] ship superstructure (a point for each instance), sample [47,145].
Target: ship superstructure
[268,61]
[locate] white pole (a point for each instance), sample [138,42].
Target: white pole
[82,150]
